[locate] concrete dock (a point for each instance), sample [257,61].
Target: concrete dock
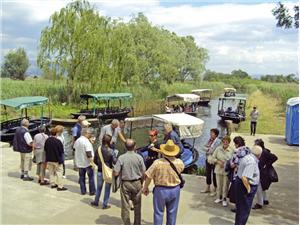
[29,203]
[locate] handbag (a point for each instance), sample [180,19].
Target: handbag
[273,174]
[106,171]
[182,181]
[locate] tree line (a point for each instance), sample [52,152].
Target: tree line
[239,74]
[92,50]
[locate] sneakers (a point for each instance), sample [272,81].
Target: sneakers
[54,186]
[218,200]
[62,189]
[224,203]
[22,176]
[257,206]
[28,179]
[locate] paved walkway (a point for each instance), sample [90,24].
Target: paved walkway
[28,203]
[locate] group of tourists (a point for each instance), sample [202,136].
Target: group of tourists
[48,154]
[239,173]
[181,108]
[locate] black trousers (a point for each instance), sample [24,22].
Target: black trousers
[210,171]
[253,127]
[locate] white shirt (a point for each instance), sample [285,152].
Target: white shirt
[28,137]
[248,167]
[108,130]
[254,115]
[82,146]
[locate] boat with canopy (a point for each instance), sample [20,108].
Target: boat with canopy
[182,103]
[204,94]
[232,108]
[8,127]
[187,127]
[109,111]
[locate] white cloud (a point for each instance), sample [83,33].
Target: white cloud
[236,35]
[36,10]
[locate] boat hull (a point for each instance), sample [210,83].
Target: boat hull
[233,118]
[102,115]
[204,102]
[8,128]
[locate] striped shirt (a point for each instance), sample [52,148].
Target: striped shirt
[248,167]
[162,173]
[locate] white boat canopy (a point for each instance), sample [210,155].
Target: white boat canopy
[188,126]
[183,97]
[229,90]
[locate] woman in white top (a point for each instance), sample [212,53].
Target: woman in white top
[219,158]
[59,135]
[39,154]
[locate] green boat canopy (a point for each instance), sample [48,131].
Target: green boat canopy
[24,102]
[107,96]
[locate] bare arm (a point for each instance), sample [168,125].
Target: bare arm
[121,136]
[116,173]
[146,186]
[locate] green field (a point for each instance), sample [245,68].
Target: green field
[269,97]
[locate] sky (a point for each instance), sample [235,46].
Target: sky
[237,34]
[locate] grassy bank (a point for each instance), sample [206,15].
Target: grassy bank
[272,115]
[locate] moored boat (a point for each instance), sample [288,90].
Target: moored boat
[204,94]
[187,127]
[232,106]
[186,103]
[8,127]
[107,112]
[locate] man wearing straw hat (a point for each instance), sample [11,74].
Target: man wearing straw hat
[167,182]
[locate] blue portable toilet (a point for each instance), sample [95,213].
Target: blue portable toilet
[292,121]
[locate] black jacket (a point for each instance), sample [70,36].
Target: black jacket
[109,158]
[19,143]
[265,162]
[54,150]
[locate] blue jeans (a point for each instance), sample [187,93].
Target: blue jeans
[99,189]
[90,172]
[243,201]
[165,197]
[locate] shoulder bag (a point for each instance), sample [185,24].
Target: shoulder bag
[106,171]
[182,181]
[272,174]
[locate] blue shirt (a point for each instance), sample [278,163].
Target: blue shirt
[76,131]
[175,138]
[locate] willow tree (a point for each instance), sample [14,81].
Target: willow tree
[194,60]
[75,45]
